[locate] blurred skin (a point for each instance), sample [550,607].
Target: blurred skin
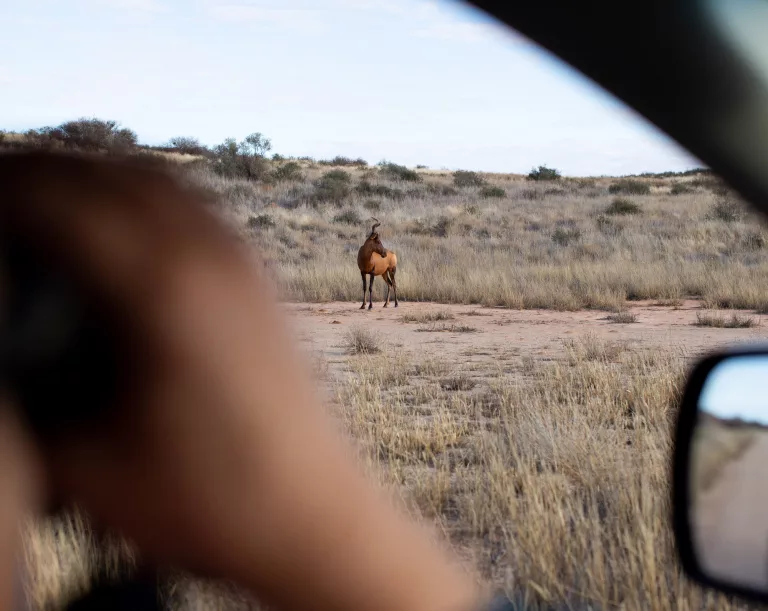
[219,458]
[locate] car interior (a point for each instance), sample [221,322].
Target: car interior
[697,70]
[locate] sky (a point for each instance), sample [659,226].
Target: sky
[430,82]
[738,388]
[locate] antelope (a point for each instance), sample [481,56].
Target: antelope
[375,260]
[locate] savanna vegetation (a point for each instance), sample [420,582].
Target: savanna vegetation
[549,476]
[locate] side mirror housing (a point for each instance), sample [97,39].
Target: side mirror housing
[720,474]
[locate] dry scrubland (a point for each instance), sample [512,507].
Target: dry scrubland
[566,244]
[548,474]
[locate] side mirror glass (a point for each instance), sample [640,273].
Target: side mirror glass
[721,474]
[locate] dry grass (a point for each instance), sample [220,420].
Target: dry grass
[361,340]
[551,478]
[551,482]
[734,321]
[455,246]
[623,317]
[425,317]
[553,485]
[447,328]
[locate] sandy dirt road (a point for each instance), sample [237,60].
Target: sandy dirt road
[503,334]
[502,339]
[730,519]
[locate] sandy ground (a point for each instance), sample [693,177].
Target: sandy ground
[505,336]
[731,520]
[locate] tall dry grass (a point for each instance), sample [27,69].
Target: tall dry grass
[551,478]
[553,481]
[553,245]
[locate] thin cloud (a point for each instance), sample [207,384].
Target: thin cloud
[138,6]
[295,19]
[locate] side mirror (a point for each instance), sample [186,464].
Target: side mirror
[720,474]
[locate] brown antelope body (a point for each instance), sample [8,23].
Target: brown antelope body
[375,260]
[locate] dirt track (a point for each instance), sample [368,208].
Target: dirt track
[731,519]
[501,334]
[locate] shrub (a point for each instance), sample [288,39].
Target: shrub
[245,159]
[372,204]
[564,237]
[735,321]
[187,146]
[399,172]
[725,209]
[339,160]
[425,317]
[289,171]
[544,173]
[465,178]
[334,185]
[622,207]
[360,340]
[262,221]
[629,186]
[623,318]
[366,188]
[492,191]
[85,134]
[349,217]
[680,188]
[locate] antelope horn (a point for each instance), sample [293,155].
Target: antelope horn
[376,224]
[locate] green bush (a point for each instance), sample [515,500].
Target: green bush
[334,185]
[289,171]
[622,207]
[398,172]
[629,186]
[465,178]
[244,159]
[544,173]
[492,191]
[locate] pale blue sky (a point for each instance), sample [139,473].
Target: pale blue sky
[738,388]
[413,81]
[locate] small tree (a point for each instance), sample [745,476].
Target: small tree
[245,159]
[187,145]
[544,173]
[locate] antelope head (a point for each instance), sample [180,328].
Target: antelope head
[378,247]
